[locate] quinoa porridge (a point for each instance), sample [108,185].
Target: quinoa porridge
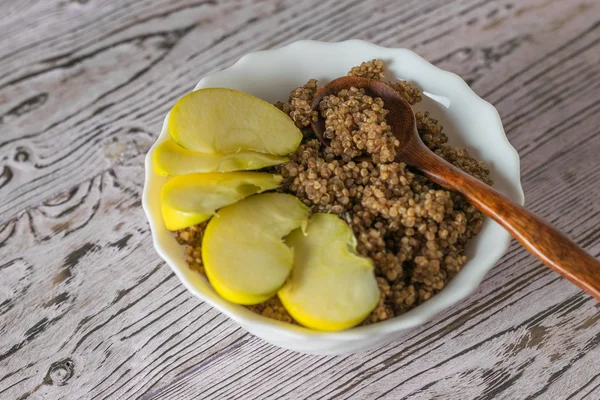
[414,230]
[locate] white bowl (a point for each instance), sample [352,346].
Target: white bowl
[468,121]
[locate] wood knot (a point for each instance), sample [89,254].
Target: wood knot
[21,155]
[60,372]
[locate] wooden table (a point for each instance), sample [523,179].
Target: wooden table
[87,308]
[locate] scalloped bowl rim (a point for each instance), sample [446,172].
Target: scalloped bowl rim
[415,317]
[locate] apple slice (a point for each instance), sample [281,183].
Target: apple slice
[190,199]
[244,255]
[331,288]
[220,120]
[171,159]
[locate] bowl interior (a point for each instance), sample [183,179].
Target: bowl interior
[468,121]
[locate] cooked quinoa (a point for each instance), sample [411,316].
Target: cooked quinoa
[414,230]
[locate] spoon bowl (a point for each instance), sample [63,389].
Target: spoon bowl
[553,248]
[400,117]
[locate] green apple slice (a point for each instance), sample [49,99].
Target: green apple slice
[245,258]
[331,288]
[187,200]
[171,159]
[220,120]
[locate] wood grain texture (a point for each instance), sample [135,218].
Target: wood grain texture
[88,310]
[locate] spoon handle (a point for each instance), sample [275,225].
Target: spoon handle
[544,241]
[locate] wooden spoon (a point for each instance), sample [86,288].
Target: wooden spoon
[549,245]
